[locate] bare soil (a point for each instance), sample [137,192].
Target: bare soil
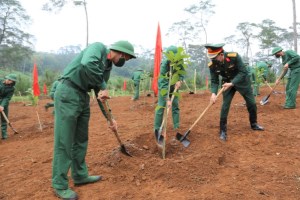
[250,165]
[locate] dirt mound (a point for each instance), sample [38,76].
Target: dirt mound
[250,165]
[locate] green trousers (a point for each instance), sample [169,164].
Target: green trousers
[159,113]
[292,88]
[248,97]
[4,123]
[136,90]
[72,114]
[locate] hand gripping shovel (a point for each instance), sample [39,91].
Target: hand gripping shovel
[160,137]
[191,92]
[6,119]
[110,119]
[183,138]
[265,100]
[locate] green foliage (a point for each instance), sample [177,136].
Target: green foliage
[23,83]
[15,44]
[178,65]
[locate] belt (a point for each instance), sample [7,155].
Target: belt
[72,85]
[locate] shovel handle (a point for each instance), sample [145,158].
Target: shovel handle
[280,77]
[186,85]
[110,119]
[5,117]
[209,105]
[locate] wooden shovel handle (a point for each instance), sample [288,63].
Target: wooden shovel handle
[110,119]
[209,105]
[5,117]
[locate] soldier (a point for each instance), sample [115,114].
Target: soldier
[290,60]
[89,70]
[7,88]
[52,91]
[230,67]
[260,74]
[163,83]
[136,77]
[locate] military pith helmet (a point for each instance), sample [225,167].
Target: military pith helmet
[172,48]
[12,77]
[276,50]
[214,49]
[123,46]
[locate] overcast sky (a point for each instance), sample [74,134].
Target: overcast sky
[136,20]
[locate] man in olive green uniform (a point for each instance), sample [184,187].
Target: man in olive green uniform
[290,60]
[136,77]
[7,88]
[235,77]
[163,83]
[72,111]
[260,73]
[52,91]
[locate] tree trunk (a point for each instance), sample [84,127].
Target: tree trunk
[295,26]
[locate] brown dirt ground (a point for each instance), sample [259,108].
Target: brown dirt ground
[250,165]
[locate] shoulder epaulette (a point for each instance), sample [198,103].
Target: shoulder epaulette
[209,64]
[232,54]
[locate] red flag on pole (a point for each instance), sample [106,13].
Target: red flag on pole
[45,89]
[124,85]
[157,60]
[35,85]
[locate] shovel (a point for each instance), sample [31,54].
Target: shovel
[6,119]
[183,138]
[191,92]
[160,137]
[265,100]
[110,119]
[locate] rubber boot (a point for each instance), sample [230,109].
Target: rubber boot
[223,129]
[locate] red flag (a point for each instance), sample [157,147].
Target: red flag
[45,89]
[35,85]
[157,60]
[124,85]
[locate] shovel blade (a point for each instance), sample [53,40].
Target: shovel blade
[183,139]
[265,100]
[124,150]
[16,132]
[159,138]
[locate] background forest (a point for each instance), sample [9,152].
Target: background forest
[17,50]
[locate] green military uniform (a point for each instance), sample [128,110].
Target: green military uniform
[252,76]
[6,93]
[89,70]
[136,77]
[291,58]
[164,83]
[52,91]
[232,70]
[260,73]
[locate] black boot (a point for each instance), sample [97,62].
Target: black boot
[223,129]
[253,121]
[256,127]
